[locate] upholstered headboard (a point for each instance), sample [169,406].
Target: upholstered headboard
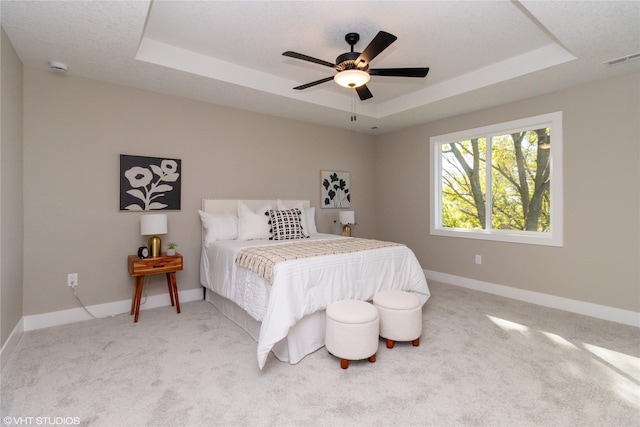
[231,205]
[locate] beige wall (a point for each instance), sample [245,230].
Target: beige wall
[599,260]
[11,223]
[74,131]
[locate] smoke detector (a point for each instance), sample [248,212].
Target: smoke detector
[58,66]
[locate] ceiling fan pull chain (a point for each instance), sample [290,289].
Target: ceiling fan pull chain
[353,107]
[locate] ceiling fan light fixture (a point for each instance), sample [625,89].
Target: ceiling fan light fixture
[352,78]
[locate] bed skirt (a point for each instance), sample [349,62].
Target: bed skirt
[305,337]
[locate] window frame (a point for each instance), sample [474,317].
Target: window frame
[552,238]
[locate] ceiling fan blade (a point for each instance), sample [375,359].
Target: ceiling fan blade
[308,58]
[399,72]
[317,82]
[380,42]
[364,93]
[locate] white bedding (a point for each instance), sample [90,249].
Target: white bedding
[307,285]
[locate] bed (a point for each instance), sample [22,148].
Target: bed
[253,271]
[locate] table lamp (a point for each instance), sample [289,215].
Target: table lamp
[347,219]
[152,225]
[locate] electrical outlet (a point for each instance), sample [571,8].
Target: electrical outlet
[478,259]
[72,279]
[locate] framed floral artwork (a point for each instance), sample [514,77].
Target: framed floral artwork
[149,183]
[335,189]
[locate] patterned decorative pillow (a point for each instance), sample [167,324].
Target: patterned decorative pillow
[307,217]
[285,224]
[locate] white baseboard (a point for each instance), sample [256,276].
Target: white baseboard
[11,343]
[604,312]
[46,320]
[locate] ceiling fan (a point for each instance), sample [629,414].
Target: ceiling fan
[353,67]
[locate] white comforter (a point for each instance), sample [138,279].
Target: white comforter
[304,286]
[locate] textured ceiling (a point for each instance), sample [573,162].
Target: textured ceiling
[480,53]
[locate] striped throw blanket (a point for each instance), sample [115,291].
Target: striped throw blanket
[262,259]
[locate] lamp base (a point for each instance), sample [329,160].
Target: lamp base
[154,246]
[346,230]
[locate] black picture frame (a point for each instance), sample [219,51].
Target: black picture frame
[149,183]
[335,189]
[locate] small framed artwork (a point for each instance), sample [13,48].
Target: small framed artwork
[335,189]
[149,183]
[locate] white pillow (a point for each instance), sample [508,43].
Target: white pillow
[253,225]
[308,225]
[219,226]
[310,214]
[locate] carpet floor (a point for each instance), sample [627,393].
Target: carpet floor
[483,360]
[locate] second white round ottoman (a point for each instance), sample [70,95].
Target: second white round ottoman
[352,331]
[400,316]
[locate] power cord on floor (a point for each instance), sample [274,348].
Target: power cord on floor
[98,317]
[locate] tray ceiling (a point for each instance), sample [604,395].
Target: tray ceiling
[480,53]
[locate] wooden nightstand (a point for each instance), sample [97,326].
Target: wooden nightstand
[138,268]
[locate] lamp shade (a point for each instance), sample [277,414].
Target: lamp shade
[352,78]
[153,224]
[347,217]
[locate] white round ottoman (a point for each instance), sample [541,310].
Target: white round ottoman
[400,316]
[352,331]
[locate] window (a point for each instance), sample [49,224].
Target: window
[501,182]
